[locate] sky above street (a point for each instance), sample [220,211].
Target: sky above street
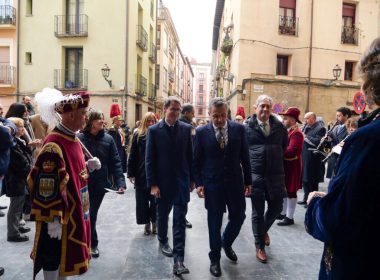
[193,20]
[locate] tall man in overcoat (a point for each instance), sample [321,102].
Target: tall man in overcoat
[311,161]
[168,165]
[222,176]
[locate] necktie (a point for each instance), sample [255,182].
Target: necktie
[264,128]
[220,138]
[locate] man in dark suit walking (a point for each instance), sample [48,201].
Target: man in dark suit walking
[168,165]
[222,176]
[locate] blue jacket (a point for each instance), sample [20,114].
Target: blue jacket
[223,170]
[346,218]
[168,161]
[103,147]
[7,142]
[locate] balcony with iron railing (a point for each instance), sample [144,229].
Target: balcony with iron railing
[142,38]
[171,50]
[141,85]
[65,79]
[7,16]
[7,75]
[152,53]
[71,26]
[152,92]
[350,35]
[171,75]
[288,26]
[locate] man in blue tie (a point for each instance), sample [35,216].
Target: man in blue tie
[222,176]
[168,165]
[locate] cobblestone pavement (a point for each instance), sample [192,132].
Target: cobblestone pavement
[125,253]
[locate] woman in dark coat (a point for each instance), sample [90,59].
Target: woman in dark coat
[345,218]
[15,181]
[102,146]
[145,203]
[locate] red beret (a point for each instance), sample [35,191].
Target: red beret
[72,102]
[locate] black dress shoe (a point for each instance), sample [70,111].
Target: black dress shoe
[286,222]
[215,269]
[166,250]
[18,238]
[1,271]
[188,224]
[95,252]
[280,217]
[3,207]
[179,268]
[230,253]
[301,202]
[23,229]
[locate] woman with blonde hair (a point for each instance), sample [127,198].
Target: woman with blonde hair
[145,203]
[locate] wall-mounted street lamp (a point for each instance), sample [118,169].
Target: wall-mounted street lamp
[106,73]
[336,72]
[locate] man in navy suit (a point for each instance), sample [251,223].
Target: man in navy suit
[223,178]
[168,165]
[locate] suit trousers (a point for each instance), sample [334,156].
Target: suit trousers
[14,215]
[309,187]
[214,220]
[179,226]
[95,201]
[261,223]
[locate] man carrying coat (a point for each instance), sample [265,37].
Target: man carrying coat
[168,165]
[222,176]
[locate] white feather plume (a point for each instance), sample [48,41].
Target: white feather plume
[45,101]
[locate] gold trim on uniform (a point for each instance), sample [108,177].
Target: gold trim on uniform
[83,174]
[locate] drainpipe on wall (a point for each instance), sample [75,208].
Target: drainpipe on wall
[18,51]
[125,95]
[310,58]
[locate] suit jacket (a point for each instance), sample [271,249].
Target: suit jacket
[168,161]
[223,172]
[337,136]
[293,161]
[312,162]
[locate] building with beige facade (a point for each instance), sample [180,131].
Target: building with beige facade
[8,52]
[201,96]
[174,75]
[288,49]
[104,47]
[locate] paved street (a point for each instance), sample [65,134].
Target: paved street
[127,254]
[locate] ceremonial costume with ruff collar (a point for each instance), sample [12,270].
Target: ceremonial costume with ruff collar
[58,186]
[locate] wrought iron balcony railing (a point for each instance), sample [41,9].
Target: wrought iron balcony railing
[7,74]
[288,25]
[350,35]
[141,85]
[152,53]
[152,92]
[7,15]
[171,75]
[70,79]
[71,26]
[142,38]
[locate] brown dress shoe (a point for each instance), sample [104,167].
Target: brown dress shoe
[266,239]
[261,256]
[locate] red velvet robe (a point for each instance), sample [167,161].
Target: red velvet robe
[293,161]
[58,188]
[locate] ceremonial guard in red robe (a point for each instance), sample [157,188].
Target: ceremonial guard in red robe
[60,199]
